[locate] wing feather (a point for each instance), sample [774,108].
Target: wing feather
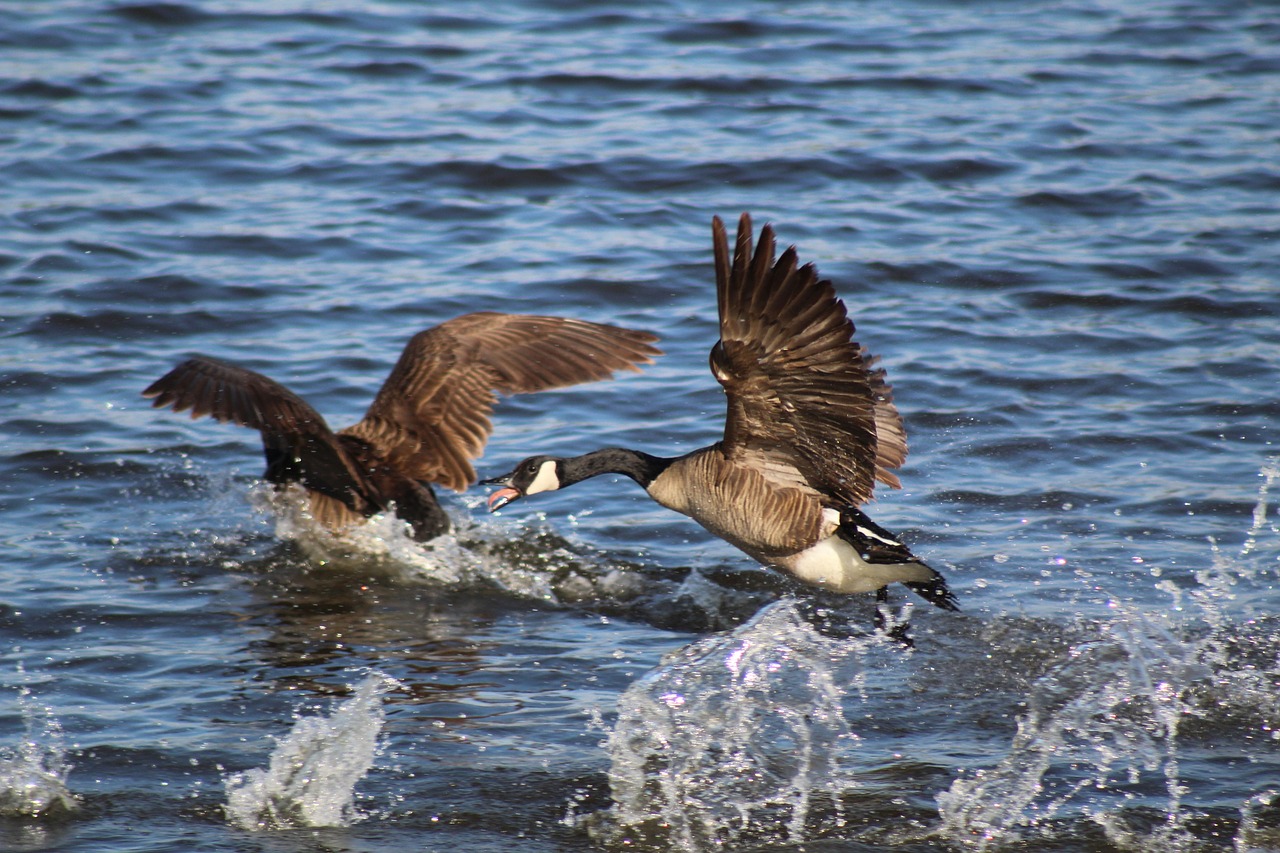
[298,443]
[431,417]
[229,393]
[800,389]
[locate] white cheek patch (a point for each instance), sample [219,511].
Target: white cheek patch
[546,481]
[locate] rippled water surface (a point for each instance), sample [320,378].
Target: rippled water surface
[1056,222]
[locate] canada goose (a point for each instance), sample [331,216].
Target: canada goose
[430,418]
[811,425]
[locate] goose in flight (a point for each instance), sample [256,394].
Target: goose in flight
[811,425]
[426,424]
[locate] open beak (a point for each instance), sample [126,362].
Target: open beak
[503,496]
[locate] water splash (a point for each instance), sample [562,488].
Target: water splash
[734,739]
[311,777]
[33,775]
[1253,836]
[525,560]
[475,554]
[383,540]
[1105,724]
[1097,722]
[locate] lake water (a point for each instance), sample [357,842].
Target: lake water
[1056,222]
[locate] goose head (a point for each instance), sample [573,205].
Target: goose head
[534,474]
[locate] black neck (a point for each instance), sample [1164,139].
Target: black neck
[640,467]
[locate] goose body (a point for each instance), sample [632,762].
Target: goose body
[810,427]
[427,422]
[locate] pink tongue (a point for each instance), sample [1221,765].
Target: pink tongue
[502,496]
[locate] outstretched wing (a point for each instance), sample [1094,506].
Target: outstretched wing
[298,443]
[431,417]
[800,390]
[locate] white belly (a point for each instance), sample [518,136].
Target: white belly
[834,564]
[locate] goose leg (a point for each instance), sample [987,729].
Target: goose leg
[900,630]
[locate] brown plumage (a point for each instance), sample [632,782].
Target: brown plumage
[427,422]
[810,427]
[801,392]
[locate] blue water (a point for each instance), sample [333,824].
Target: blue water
[1056,223]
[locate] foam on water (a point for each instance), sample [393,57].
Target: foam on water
[33,774]
[1103,727]
[476,553]
[384,540]
[312,773]
[736,738]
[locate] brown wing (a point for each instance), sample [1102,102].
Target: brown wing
[298,443]
[799,388]
[432,415]
[891,435]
